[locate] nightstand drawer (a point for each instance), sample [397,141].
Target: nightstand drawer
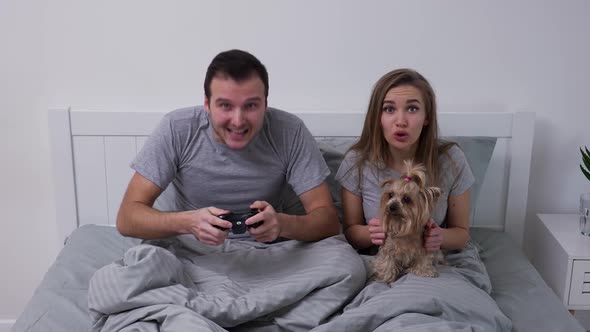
[580,283]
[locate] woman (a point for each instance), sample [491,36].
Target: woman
[400,124]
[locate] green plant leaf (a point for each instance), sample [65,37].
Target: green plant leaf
[586,173]
[585,159]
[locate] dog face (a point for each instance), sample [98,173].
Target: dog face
[406,203]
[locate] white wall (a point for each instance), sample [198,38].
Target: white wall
[321,55]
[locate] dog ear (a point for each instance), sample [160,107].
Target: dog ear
[387,182]
[433,193]
[418,179]
[430,195]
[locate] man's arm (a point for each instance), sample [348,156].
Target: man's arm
[137,217]
[320,220]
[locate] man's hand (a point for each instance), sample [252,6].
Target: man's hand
[270,229]
[376,231]
[203,222]
[433,236]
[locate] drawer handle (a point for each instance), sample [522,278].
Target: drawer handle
[586,276]
[586,288]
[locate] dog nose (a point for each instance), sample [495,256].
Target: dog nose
[392,207]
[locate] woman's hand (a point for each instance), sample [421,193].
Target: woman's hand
[376,232]
[433,236]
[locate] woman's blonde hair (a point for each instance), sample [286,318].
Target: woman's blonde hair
[372,146]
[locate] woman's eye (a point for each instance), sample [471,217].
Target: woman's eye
[388,109]
[413,109]
[406,199]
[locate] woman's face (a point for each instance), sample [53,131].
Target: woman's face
[403,115]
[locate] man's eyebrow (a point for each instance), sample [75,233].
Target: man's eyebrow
[225,100]
[222,100]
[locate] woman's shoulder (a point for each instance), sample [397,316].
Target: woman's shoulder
[452,157]
[449,150]
[352,155]
[350,159]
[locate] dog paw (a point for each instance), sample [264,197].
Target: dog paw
[425,273]
[433,274]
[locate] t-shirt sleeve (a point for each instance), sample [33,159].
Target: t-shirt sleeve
[306,168]
[348,174]
[463,176]
[158,158]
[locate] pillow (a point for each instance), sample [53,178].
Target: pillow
[478,151]
[332,149]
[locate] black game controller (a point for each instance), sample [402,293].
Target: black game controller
[238,220]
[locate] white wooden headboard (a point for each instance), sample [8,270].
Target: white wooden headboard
[91,152]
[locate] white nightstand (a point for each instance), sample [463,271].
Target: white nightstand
[562,256]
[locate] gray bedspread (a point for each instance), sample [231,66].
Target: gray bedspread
[458,300]
[60,303]
[289,286]
[181,284]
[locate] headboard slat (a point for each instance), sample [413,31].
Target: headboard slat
[91,180]
[119,151]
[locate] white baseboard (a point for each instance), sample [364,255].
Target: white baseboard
[6,324]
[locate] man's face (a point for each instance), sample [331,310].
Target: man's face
[236,110]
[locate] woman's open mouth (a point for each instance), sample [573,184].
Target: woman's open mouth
[401,136]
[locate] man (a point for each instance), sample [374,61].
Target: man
[232,154]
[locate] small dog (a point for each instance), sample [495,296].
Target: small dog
[406,204]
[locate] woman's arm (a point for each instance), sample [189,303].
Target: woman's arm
[355,229]
[359,234]
[456,235]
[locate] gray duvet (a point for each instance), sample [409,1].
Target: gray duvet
[178,284]
[104,282]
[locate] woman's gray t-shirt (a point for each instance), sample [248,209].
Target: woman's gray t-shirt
[455,172]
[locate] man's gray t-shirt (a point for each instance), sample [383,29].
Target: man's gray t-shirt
[183,153]
[455,172]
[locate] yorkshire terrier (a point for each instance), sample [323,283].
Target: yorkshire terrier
[406,204]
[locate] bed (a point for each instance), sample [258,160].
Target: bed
[91,152]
